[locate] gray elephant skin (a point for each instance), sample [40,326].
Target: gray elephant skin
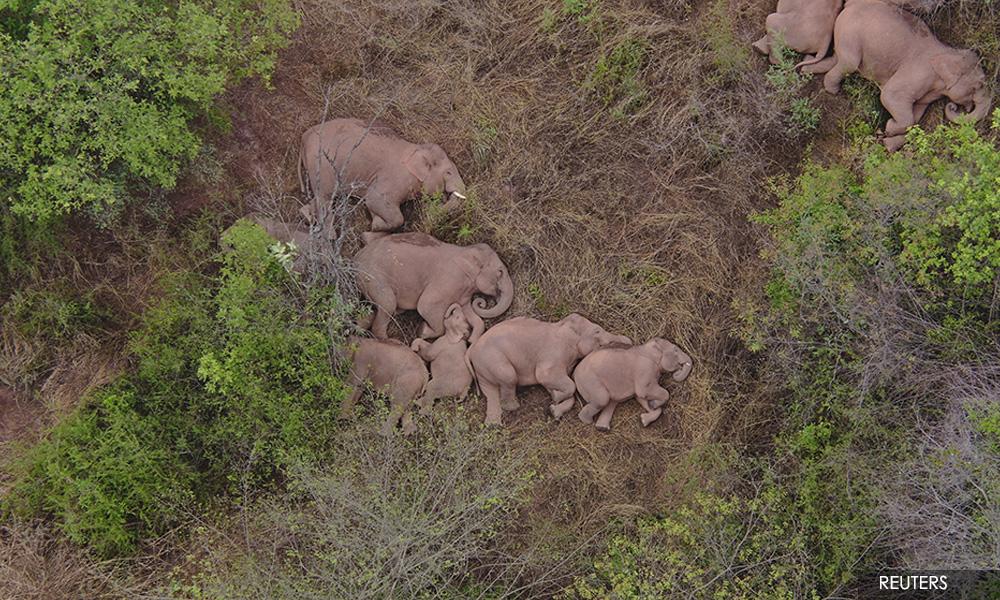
[610,376]
[897,50]
[523,351]
[373,163]
[414,271]
[805,26]
[391,368]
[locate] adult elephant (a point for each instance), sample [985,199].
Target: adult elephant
[805,26]
[407,271]
[350,156]
[524,351]
[912,67]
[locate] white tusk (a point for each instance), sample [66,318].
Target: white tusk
[459,196]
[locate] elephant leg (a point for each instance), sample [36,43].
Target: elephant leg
[596,401]
[431,308]
[823,66]
[386,215]
[846,62]
[357,388]
[508,398]
[432,393]
[649,416]
[763,45]
[558,410]
[494,413]
[409,427]
[396,411]
[604,420]
[385,307]
[559,384]
[918,111]
[901,109]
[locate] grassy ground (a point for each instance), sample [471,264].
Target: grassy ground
[613,150]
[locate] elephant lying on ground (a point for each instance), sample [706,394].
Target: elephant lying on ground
[450,376]
[612,375]
[407,271]
[389,367]
[523,351]
[805,26]
[912,67]
[289,234]
[373,163]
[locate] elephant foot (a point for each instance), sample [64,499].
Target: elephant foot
[558,410]
[492,421]
[513,404]
[894,143]
[650,416]
[762,45]
[604,427]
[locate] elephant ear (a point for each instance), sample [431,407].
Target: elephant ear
[419,164]
[952,66]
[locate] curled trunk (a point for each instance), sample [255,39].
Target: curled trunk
[503,300]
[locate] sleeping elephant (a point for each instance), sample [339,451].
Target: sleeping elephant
[911,66]
[373,163]
[610,376]
[389,367]
[523,351]
[407,271]
[805,26]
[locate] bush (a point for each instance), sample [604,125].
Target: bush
[878,321]
[233,385]
[100,94]
[395,517]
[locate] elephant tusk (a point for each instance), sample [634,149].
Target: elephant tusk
[457,195]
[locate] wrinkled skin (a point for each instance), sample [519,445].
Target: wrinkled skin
[414,271]
[373,163]
[450,376]
[897,50]
[523,351]
[389,367]
[805,26]
[610,376]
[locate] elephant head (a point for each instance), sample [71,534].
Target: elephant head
[591,336]
[436,173]
[670,358]
[455,324]
[492,279]
[965,84]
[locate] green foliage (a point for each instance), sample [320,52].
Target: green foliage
[804,117]
[730,57]
[395,517]
[232,386]
[101,93]
[616,77]
[715,546]
[586,12]
[50,313]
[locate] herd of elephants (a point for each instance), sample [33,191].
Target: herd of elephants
[574,356]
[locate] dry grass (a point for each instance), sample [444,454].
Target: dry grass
[636,220]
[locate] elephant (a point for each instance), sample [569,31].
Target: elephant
[523,351]
[450,376]
[289,234]
[612,375]
[391,367]
[373,163]
[406,271]
[911,66]
[805,26]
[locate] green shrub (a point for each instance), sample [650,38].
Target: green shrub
[99,94]
[394,517]
[233,386]
[730,56]
[616,77]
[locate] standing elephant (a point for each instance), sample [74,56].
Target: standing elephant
[389,367]
[524,351]
[375,164]
[805,26]
[612,375]
[912,67]
[407,271]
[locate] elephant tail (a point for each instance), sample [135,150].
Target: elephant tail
[472,371]
[820,56]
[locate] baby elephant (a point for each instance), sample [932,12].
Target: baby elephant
[612,375]
[390,367]
[450,376]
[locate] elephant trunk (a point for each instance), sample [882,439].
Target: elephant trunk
[505,297]
[981,101]
[682,373]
